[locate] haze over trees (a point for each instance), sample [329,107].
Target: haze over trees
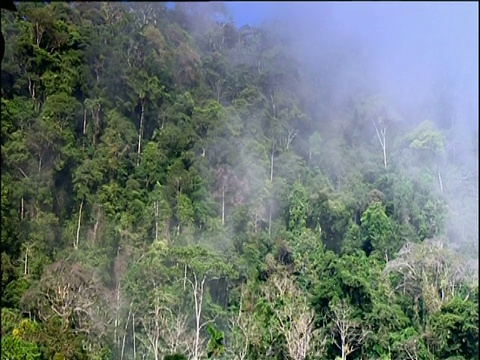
[176,187]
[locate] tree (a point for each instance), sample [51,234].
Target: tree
[218,192]
[429,271]
[427,144]
[293,319]
[347,332]
[377,231]
[243,327]
[199,266]
[19,343]
[454,332]
[375,109]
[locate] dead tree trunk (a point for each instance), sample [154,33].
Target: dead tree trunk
[198,290]
[381,131]
[140,130]
[291,135]
[155,206]
[125,332]
[271,162]
[75,245]
[223,205]
[134,337]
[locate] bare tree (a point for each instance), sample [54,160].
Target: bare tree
[243,329]
[375,109]
[176,335]
[381,125]
[290,136]
[72,293]
[198,288]
[429,270]
[293,317]
[347,333]
[153,326]
[165,330]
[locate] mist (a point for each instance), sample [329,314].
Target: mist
[408,51]
[212,169]
[422,58]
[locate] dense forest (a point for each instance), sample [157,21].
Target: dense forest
[176,187]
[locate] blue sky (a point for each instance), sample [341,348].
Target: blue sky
[251,13]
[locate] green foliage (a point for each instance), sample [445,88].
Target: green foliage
[298,209]
[175,357]
[161,168]
[455,329]
[14,348]
[426,138]
[215,344]
[376,230]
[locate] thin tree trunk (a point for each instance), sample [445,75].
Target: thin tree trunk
[273,105]
[157,330]
[78,226]
[84,121]
[96,116]
[198,297]
[381,135]
[270,221]
[140,131]
[134,335]
[31,90]
[156,219]
[185,278]
[22,209]
[384,153]
[125,333]
[117,321]
[291,135]
[440,180]
[223,205]
[95,227]
[25,271]
[271,163]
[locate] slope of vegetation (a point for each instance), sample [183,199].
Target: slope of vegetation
[175,187]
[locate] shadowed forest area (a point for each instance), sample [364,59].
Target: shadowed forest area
[176,187]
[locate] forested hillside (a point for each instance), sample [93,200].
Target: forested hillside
[175,187]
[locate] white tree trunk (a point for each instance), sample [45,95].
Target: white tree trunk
[25,270]
[95,227]
[84,121]
[155,206]
[140,131]
[291,135]
[440,180]
[270,221]
[125,332]
[381,135]
[271,163]
[115,327]
[198,298]
[75,245]
[223,205]
[134,337]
